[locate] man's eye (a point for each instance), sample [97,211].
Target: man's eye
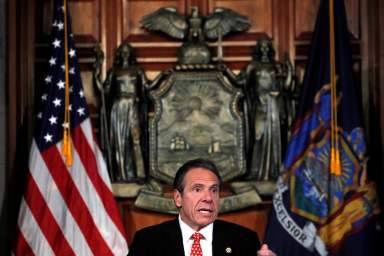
[197,189]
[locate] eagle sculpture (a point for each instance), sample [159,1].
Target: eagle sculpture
[195,29]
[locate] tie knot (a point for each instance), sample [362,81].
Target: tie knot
[197,236]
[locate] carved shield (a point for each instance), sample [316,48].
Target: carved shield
[196,115]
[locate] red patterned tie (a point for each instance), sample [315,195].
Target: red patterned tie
[196,248]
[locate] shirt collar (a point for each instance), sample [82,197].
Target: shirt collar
[187,231]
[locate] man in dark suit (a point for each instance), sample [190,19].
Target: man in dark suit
[196,232]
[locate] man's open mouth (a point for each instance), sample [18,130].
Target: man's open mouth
[205,210]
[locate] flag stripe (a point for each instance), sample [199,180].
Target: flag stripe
[94,199]
[101,165]
[45,220]
[22,247]
[56,204]
[48,227]
[90,163]
[74,201]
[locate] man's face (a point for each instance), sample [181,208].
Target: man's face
[199,200]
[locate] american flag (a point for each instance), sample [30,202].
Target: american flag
[66,209]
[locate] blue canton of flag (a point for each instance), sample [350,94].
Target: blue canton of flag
[68,207]
[51,115]
[321,206]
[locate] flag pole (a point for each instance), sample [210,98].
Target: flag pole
[67,147]
[335,165]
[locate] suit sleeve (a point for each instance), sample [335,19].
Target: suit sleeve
[250,244]
[137,247]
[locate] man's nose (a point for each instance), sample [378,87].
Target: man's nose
[208,196]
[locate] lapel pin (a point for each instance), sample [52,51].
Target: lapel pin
[228,250]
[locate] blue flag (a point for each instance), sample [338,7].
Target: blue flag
[324,203]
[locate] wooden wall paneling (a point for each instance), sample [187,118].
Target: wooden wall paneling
[86,27]
[283,15]
[111,29]
[237,47]
[202,4]
[305,17]
[85,20]
[352,8]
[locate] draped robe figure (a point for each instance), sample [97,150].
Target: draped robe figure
[265,83]
[123,82]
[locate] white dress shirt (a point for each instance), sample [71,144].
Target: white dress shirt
[205,242]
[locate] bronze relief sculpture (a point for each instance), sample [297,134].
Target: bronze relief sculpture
[195,112]
[196,115]
[194,30]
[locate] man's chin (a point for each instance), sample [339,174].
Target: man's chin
[206,219]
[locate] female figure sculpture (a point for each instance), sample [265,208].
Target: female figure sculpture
[121,89]
[265,82]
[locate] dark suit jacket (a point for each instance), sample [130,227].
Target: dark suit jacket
[166,239]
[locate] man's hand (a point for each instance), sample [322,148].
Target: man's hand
[264,251]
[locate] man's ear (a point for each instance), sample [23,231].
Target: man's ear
[177,198]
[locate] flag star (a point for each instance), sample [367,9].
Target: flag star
[72,53]
[70,107]
[72,71]
[44,97]
[60,25]
[52,61]
[48,137]
[56,43]
[81,111]
[48,79]
[40,115]
[57,102]
[62,67]
[65,125]
[71,89]
[61,84]
[54,23]
[81,93]
[53,120]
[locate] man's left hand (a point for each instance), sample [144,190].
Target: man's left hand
[264,251]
